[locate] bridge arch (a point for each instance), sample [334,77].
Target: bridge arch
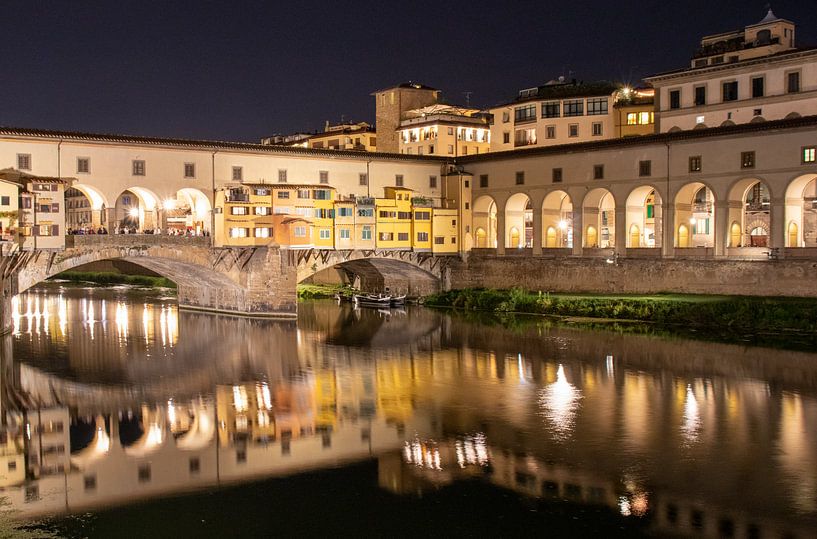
[598,216]
[557,220]
[694,215]
[484,222]
[644,222]
[402,272]
[518,221]
[749,202]
[801,216]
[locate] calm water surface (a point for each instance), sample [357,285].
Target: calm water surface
[367,422]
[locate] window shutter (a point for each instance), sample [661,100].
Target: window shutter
[55,207]
[55,230]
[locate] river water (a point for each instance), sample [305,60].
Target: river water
[135,418]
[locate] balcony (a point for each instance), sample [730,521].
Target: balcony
[237,197]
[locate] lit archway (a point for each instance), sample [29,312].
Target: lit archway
[599,217]
[734,234]
[135,211]
[750,207]
[644,212]
[484,218]
[482,238]
[801,211]
[519,217]
[514,239]
[186,212]
[557,220]
[695,211]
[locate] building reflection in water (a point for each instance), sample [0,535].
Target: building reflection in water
[705,438]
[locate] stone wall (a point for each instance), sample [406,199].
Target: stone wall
[637,275]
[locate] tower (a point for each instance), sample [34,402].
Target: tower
[390,106]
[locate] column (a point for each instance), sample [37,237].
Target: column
[109,219]
[621,230]
[667,229]
[777,227]
[500,231]
[578,226]
[537,228]
[721,227]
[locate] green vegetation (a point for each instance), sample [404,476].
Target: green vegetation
[744,314]
[106,278]
[318,291]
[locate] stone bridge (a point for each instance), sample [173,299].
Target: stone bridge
[257,281]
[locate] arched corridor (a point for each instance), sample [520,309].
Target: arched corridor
[749,214]
[694,216]
[801,212]
[599,218]
[644,218]
[519,222]
[557,220]
[484,222]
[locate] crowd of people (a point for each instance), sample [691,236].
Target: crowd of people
[89,230]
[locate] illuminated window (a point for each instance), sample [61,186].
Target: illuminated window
[239,232]
[525,137]
[238,210]
[262,210]
[263,232]
[810,154]
[632,118]
[645,118]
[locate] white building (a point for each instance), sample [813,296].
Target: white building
[753,74]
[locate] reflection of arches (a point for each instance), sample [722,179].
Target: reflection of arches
[599,213]
[514,243]
[734,235]
[635,236]
[683,236]
[557,214]
[484,217]
[592,237]
[519,216]
[550,238]
[482,238]
[801,211]
[644,212]
[793,237]
[695,210]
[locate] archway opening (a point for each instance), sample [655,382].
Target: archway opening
[484,218]
[801,211]
[557,220]
[645,214]
[135,212]
[84,210]
[750,208]
[599,217]
[519,221]
[695,210]
[188,212]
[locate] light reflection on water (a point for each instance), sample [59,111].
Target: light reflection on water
[692,434]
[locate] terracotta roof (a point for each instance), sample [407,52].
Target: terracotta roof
[660,138]
[208,144]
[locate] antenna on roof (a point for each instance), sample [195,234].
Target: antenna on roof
[467,98]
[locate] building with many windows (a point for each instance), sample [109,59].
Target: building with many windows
[444,130]
[754,74]
[343,136]
[558,112]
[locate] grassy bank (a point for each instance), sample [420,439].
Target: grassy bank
[734,313]
[318,291]
[104,277]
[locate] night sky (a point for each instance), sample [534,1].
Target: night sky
[240,71]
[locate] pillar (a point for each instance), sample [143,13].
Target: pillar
[777,225]
[621,230]
[108,216]
[500,231]
[721,227]
[578,231]
[537,227]
[667,229]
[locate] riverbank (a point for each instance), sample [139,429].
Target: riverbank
[732,313]
[321,291]
[106,278]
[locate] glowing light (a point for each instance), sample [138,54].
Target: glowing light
[103,441]
[692,220]
[62,314]
[559,402]
[422,454]
[562,224]
[169,204]
[240,398]
[171,412]
[155,435]
[262,393]
[133,212]
[692,419]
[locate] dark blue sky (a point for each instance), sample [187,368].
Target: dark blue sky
[243,70]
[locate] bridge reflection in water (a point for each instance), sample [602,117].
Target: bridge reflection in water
[703,438]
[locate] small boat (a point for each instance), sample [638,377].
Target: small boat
[372,300]
[398,300]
